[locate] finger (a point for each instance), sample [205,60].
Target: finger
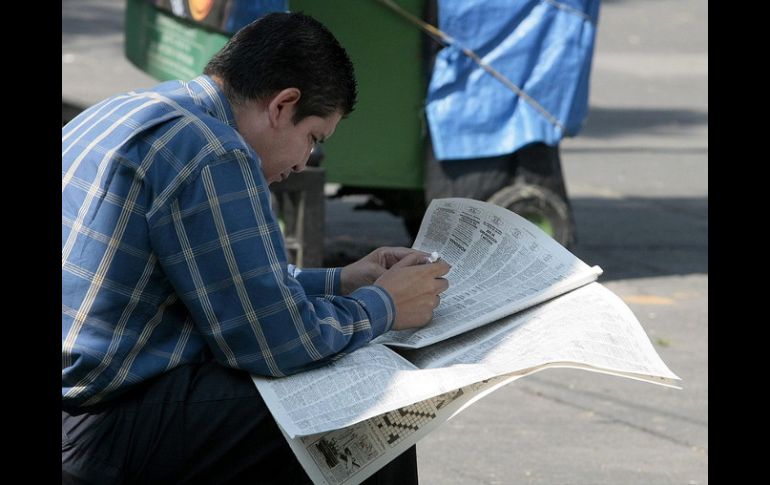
[440,285]
[439,268]
[411,259]
[374,271]
[399,251]
[392,255]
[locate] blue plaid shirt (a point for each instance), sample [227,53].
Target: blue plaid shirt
[171,253]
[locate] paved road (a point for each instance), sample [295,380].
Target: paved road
[638,179]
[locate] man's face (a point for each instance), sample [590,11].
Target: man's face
[291,148]
[283,146]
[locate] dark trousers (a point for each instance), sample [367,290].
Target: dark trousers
[199,423]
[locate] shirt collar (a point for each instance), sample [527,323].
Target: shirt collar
[209,95]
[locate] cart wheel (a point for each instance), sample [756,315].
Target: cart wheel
[540,206]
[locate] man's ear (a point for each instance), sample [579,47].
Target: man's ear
[283,105]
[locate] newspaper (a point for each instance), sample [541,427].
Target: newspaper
[589,328]
[501,263]
[352,454]
[347,419]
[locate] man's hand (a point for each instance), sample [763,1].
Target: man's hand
[366,270]
[414,285]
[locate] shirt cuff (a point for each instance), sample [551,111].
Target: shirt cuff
[318,281]
[378,305]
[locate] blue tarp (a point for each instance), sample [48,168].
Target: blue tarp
[242,12]
[226,16]
[544,47]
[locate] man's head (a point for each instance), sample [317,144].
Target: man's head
[289,82]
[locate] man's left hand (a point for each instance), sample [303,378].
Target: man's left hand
[366,270]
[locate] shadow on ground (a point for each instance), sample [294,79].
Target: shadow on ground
[664,123]
[643,237]
[631,237]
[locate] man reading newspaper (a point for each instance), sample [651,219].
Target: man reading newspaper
[175,285]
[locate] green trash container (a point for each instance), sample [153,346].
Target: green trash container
[381,149]
[379,145]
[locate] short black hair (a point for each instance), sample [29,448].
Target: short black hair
[283,50]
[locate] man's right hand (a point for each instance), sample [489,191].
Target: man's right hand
[414,286]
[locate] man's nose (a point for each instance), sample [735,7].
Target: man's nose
[316,155]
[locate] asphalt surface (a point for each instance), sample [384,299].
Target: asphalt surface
[637,176]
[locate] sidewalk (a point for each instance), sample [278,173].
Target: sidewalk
[92,61]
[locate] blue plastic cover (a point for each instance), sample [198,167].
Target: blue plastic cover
[243,12]
[226,16]
[544,47]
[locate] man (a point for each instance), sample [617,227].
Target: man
[174,278]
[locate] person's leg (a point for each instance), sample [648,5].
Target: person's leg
[402,470]
[476,178]
[227,433]
[200,423]
[93,445]
[196,424]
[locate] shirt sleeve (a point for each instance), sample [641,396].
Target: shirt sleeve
[223,253]
[318,281]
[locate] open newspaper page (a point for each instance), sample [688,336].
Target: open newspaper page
[352,454]
[370,381]
[590,328]
[501,264]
